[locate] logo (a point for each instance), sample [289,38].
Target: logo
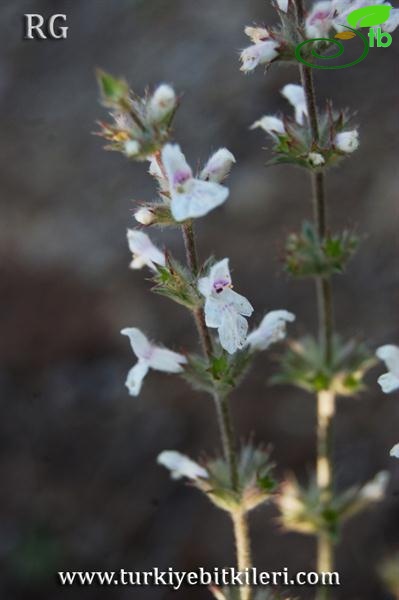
[36,27]
[368,16]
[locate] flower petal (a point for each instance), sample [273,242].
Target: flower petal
[220,272]
[394,451]
[390,355]
[142,248]
[181,466]
[271,329]
[240,303]
[232,331]
[213,312]
[388,382]
[197,199]
[166,360]
[218,166]
[374,490]
[135,377]
[295,95]
[270,124]
[258,54]
[139,342]
[283,5]
[175,165]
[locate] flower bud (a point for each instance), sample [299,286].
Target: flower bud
[162,103]
[316,159]
[145,216]
[132,148]
[218,166]
[257,34]
[347,141]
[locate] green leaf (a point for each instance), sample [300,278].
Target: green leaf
[112,90]
[369,16]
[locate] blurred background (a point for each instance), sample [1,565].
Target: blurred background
[80,487]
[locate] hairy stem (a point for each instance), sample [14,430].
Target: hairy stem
[242,537]
[325,398]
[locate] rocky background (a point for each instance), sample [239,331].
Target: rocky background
[80,488]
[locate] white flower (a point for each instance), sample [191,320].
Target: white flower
[270,124]
[374,490]
[145,216]
[394,451]
[272,329]
[181,466]
[149,356]
[283,5]
[257,34]
[389,382]
[132,148]
[316,159]
[145,253]
[218,166]
[320,20]
[190,197]
[225,309]
[258,54]
[161,103]
[347,141]
[296,97]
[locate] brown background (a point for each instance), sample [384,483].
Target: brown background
[80,488]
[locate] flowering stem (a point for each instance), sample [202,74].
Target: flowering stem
[225,422]
[325,398]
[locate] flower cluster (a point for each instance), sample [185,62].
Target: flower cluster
[141,130]
[328,16]
[293,141]
[325,19]
[139,125]
[255,480]
[303,509]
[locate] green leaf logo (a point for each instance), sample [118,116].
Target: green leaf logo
[368,16]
